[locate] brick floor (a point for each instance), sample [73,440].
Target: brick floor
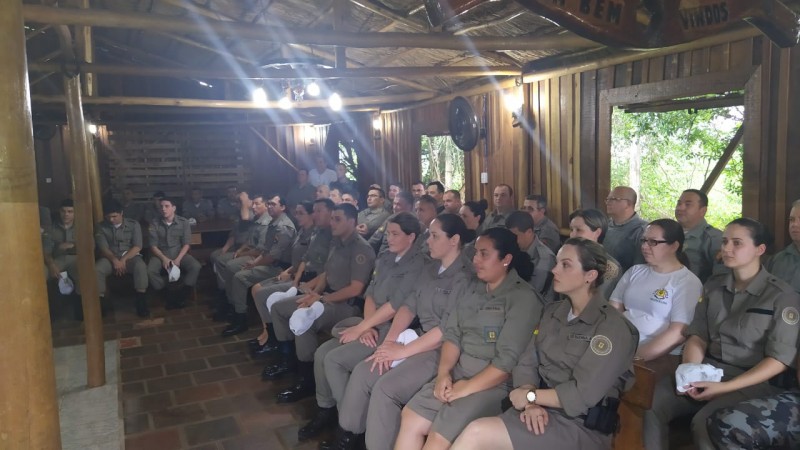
[185,387]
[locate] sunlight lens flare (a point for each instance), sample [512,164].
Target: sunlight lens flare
[335,102]
[260,97]
[285,103]
[313,89]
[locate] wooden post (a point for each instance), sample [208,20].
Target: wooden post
[339,16]
[28,405]
[80,159]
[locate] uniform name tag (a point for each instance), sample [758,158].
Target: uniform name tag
[492,308]
[579,337]
[490,334]
[443,291]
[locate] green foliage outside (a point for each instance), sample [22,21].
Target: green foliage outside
[441,160]
[349,157]
[675,151]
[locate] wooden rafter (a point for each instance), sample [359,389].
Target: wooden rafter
[723,160]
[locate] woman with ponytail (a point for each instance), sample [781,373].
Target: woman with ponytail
[485,335]
[659,297]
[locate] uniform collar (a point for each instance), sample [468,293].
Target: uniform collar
[350,239]
[458,265]
[542,224]
[590,314]
[635,216]
[264,219]
[508,283]
[756,286]
[792,250]
[697,231]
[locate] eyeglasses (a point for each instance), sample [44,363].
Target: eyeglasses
[652,242]
[614,199]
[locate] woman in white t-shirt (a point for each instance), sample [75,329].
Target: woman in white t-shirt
[659,297]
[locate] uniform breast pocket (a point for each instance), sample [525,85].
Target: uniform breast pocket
[576,347]
[490,322]
[754,324]
[173,240]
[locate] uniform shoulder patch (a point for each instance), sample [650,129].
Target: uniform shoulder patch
[790,315]
[600,345]
[361,259]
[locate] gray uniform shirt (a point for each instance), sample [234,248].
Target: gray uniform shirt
[227,209]
[278,239]
[493,219]
[318,250]
[351,259]
[743,328]
[299,194]
[701,246]
[436,293]
[373,218]
[584,359]
[786,266]
[118,240]
[623,241]
[300,245]
[170,238]
[394,281]
[258,232]
[543,261]
[204,209]
[60,234]
[494,327]
[547,232]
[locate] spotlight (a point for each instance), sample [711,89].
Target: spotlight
[285,103]
[92,128]
[260,97]
[335,102]
[376,123]
[312,89]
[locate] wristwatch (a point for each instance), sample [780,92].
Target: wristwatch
[531,396]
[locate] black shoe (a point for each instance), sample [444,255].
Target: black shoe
[277,371]
[224,313]
[325,418]
[141,305]
[345,440]
[239,325]
[253,344]
[304,388]
[269,348]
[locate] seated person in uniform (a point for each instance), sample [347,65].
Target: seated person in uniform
[198,208]
[579,360]
[381,384]
[521,224]
[373,217]
[302,191]
[746,324]
[436,190]
[473,214]
[335,193]
[309,251]
[592,224]
[625,229]
[504,204]
[119,242]
[237,238]
[659,297]
[275,255]
[395,275]
[786,263]
[170,240]
[486,333]
[391,193]
[417,189]
[452,201]
[229,206]
[702,240]
[346,273]
[323,191]
[349,198]
[403,202]
[771,422]
[64,257]
[425,209]
[545,229]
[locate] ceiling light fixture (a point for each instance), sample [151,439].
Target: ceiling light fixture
[335,102]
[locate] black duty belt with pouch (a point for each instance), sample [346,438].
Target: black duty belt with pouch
[603,416]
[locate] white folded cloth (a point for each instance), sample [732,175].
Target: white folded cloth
[303,318]
[275,297]
[174,273]
[406,337]
[688,373]
[65,284]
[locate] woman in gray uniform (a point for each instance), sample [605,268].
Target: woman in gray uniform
[305,224]
[486,333]
[746,324]
[374,383]
[574,369]
[592,224]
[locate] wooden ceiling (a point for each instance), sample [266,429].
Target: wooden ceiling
[215,49]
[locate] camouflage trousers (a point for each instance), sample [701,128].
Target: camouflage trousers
[764,423]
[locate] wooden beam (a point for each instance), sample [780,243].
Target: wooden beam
[272,147]
[322,73]
[155,22]
[232,104]
[208,48]
[693,103]
[340,13]
[723,160]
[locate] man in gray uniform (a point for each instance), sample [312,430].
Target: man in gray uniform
[347,272]
[229,206]
[786,263]
[65,258]
[403,202]
[275,256]
[521,224]
[308,261]
[702,241]
[503,206]
[373,217]
[197,207]
[623,238]
[119,241]
[543,227]
[170,240]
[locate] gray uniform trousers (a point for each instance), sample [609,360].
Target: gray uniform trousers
[218,262]
[333,362]
[243,280]
[306,344]
[135,265]
[190,270]
[667,405]
[69,263]
[260,299]
[449,420]
[385,395]
[227,268]
[561,433]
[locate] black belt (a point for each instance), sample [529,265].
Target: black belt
[307,276]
